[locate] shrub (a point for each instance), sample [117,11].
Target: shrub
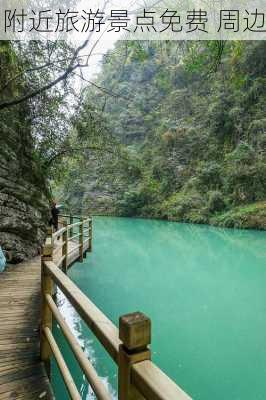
[257,133]
[139,200]
[168,138]
[209,176]
[131,203]
[243,154]
[216,201]
[257,127]
[182,205]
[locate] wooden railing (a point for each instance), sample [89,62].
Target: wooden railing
[73,237]
[138,377]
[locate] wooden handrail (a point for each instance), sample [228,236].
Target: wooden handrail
[101,326]
[154,384]
[147,378]
[73,225]
[70,227]
[65,239]
[70,384]
[73,216]
[73,249]
[58,248]
[59,233]
[81,244]
[75,236]
[88,369]
[138,377]
[59,262]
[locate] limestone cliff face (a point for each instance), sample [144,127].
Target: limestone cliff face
[23,198]
[92,190]
[23,192]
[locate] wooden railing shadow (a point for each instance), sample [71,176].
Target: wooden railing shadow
[138,377]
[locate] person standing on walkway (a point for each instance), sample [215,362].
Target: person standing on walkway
[54,217]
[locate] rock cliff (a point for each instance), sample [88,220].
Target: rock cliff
[23,192]
[23,196]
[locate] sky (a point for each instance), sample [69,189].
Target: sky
[108,40]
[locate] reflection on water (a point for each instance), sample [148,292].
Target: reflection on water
[204,289]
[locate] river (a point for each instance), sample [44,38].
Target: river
[203,288]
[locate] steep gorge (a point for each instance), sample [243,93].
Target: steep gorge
[193,127]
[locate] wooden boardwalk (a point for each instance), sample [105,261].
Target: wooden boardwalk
[22,375]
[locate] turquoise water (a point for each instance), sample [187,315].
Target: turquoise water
[205,291]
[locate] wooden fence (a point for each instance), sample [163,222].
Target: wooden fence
[138,377]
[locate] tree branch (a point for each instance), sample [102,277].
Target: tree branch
[70,150]
[36,92]
[71,67]
[43,66]
[104,90]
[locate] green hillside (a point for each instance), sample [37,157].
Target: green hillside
[186,125]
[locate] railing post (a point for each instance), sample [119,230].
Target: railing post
[46,314]
[135,334]
[81,236]
[90,236]
[65,248]
[50,232]
[71,221]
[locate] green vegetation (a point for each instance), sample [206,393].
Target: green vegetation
[250,216]
[33,130]
[168,130]
[191,128]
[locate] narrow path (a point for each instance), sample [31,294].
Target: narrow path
[22,375]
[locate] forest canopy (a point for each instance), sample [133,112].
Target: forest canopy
[172,130]
[188,124]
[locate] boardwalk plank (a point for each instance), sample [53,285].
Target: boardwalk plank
[22,375]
